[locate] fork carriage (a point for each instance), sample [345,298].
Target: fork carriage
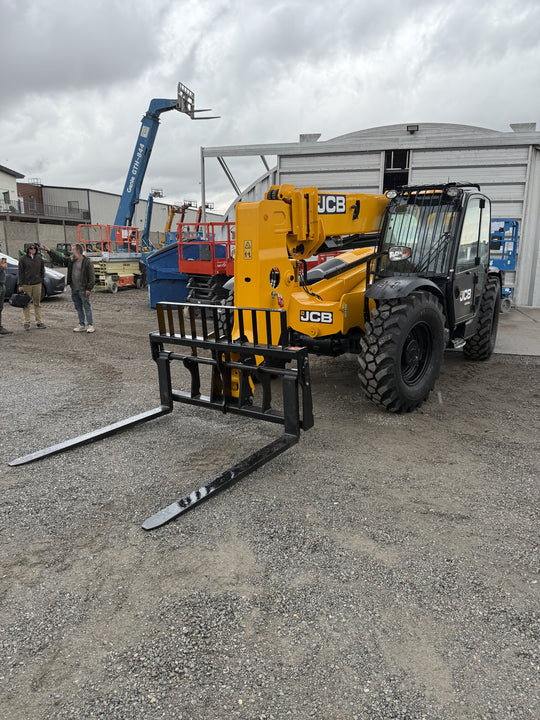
[214,340]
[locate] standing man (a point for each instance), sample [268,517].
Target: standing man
[3,267]
[31,277]
[81,278]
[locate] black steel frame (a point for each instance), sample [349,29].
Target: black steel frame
[207,332]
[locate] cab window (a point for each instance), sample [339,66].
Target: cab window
[485,230]
[474,240]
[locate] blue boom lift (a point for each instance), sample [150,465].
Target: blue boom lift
[122,238]
[185,103]
[503,245]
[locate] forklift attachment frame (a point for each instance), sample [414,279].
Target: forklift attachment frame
[233,363]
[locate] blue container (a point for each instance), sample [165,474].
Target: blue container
[165,282]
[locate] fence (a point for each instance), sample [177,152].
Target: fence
[40,210]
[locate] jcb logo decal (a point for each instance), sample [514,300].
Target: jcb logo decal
[332,204]
[315,316]
[465,295]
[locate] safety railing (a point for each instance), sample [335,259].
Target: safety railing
[111,239]
[206,248]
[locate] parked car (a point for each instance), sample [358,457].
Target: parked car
[54,283]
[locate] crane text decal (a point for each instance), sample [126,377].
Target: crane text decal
[332,204]
[135,167]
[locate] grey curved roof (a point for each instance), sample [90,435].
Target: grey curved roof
[433,129]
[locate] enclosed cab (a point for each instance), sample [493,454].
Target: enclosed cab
[433,288]
[440,235]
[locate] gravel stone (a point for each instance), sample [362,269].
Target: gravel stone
[385,567]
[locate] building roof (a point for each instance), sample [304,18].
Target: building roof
[437,134]
[10,172]
[409,136]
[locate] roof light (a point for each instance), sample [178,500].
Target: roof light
[452,191]
[391,194]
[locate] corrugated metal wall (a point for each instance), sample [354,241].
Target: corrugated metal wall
[103,207]
[354,172]
[500,171]
[60,196]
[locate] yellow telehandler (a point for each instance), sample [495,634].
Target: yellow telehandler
[413,278]
[416,279]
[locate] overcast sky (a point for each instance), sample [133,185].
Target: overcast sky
[77,77]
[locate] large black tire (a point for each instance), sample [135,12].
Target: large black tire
[141,281]
[222,323]
[402,351]
[480,345]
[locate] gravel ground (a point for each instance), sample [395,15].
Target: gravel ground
[384,567]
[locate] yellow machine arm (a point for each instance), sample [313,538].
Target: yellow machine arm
[316,215]
[276,235]
[173,209]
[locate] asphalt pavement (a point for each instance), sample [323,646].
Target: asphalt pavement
[519,332]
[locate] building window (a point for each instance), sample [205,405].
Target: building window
[396,169]
[31,203]
[73,205]
[5,197]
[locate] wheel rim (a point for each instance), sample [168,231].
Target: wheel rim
[416,354]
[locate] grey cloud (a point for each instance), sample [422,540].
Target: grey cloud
[81,77]
[56,46]
[471,33]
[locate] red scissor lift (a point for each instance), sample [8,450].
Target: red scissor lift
[206,256]
[109,238]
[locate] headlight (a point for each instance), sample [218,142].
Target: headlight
[396,253]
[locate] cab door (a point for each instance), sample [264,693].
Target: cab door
[472,258]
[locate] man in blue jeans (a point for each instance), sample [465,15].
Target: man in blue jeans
[81,279]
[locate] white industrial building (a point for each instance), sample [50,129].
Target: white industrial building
[33,212]
[506,165]
[100,207]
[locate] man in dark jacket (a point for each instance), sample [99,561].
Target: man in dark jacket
[81,279]
[30,279]
[3,266]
